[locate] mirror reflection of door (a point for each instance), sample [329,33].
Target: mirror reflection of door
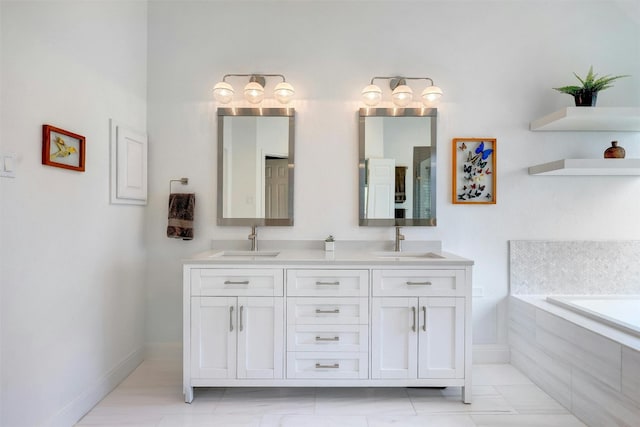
[276,189]
[422,182]
[380,188]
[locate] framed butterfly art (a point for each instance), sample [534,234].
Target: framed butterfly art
[474,171]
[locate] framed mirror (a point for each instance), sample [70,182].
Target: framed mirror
[397,166]
[255,166]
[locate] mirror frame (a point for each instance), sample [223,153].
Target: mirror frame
[266,112]
[396,112]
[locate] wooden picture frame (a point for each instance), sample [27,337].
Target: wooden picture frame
[474,171]
[62,149]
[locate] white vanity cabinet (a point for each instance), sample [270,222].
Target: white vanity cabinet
[235,326]
[344,322]
[327,323]
[417,338]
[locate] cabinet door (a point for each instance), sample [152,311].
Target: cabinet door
[213,337]
[441,338]
[260,337]
[394,340]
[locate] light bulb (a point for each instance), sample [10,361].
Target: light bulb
[254,92]
[283,92]
[431,95]
[371,95]
[223,92]
[402,95]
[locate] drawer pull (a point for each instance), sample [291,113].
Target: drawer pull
[231,319]
[328,339]
[334,311]
[334,366]
[336,283]
[241,314]
[418,283]
[231,282]
[413,311]
[424,313]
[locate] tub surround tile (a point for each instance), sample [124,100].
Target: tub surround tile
[580,348]
[539,267]
[599,405]
[554,377]
[601,376]
[631,374]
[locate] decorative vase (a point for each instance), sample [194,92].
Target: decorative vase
[585,98]
[614,152]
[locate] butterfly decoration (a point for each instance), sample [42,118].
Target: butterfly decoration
[485,153]
[476,170]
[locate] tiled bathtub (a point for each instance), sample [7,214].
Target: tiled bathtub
[591,368]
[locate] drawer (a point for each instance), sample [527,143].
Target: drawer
[418,283]
[327,311]
[236,282]
[318,365]
[350,338]
[326,282]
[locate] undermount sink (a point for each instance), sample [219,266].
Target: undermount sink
[247,254]
[393,254]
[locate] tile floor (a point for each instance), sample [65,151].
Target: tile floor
[152,396]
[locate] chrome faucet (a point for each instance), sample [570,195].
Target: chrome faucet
[399,237]
[254,238]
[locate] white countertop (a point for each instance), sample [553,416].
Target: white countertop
[320,257]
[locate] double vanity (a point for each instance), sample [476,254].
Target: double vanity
[291,315]
[310,318]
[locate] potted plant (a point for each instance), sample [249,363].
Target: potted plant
[585,95]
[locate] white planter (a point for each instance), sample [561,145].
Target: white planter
[329,246]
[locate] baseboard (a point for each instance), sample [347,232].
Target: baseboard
[163,351]
[491,353]
[78,407]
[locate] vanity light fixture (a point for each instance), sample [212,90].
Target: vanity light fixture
[401,94]
[254,90]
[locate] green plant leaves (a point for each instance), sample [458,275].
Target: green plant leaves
[590,83]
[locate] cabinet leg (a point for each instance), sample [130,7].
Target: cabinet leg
[466,394]
[188,394]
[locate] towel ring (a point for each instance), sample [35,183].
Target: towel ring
[183,181]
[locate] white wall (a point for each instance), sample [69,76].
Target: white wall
[73,266]
[496,61]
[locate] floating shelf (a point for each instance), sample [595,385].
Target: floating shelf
[622,119]
[588,167]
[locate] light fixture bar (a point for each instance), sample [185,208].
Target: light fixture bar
[254,90]
[402,95]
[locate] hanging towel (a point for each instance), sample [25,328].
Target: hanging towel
[181,209]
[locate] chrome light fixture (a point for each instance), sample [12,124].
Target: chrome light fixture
[401,94]
[254,90]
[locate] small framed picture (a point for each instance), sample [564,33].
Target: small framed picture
[62,149]
[474,171]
